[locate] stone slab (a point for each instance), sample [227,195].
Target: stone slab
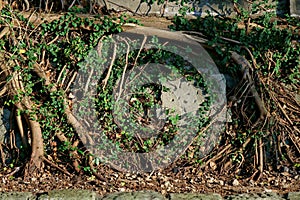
[141,195]
[68,195]
[263,196]
[293,196]
[17,196]
[192,196]
[201,7]
[295,8]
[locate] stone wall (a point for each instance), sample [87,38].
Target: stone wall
[215,7]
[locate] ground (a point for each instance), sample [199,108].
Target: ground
[164,181]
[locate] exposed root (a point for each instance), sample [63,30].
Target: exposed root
[21,130]
[101,178]
[104,82]
[56,166]
[245,67]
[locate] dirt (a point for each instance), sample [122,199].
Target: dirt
[171,180]
[161,23]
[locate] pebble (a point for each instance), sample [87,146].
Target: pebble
[221,182]
[235,182]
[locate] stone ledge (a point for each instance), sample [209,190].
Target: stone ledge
[295,8]
[140,195]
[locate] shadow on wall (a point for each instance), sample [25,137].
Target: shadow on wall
[295,8]
[216,8]
[201,7]
[226,8]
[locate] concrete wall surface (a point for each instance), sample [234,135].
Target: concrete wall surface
[295,8]
[201,7]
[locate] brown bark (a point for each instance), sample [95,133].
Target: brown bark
[37,145]
[25,104]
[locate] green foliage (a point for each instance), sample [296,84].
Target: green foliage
[63,43]
[147,97]
[274,43]
[268,37]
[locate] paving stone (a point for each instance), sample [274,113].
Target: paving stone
[16,196]
[141,195]
[293,196]
[69,195]
[264,196]
[195,197]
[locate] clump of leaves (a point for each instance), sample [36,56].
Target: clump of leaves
[266,36]
[43,61]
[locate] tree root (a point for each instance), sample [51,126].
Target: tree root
[94,172]
[56,166]
[245,66]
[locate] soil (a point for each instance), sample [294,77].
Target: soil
[171,180]
[157,22]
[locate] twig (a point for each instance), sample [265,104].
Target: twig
[63,80]
[104,82]
[88,81]
[2,154]
[164,8]
[52,41]
[101,178]
[71,81]
[218,155]
[4,32]
[124,70]
[293,139]
[3,91]
[141,48]
[279,105]
[17,169]
[284,113]
[201,38]
[62,4]
[21,130]
[256,154]
[27,24]
[241,149]
[27,5]
[107,7]
[70,117]
[56,166]
[60,74]
[71,5]
[261,156]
